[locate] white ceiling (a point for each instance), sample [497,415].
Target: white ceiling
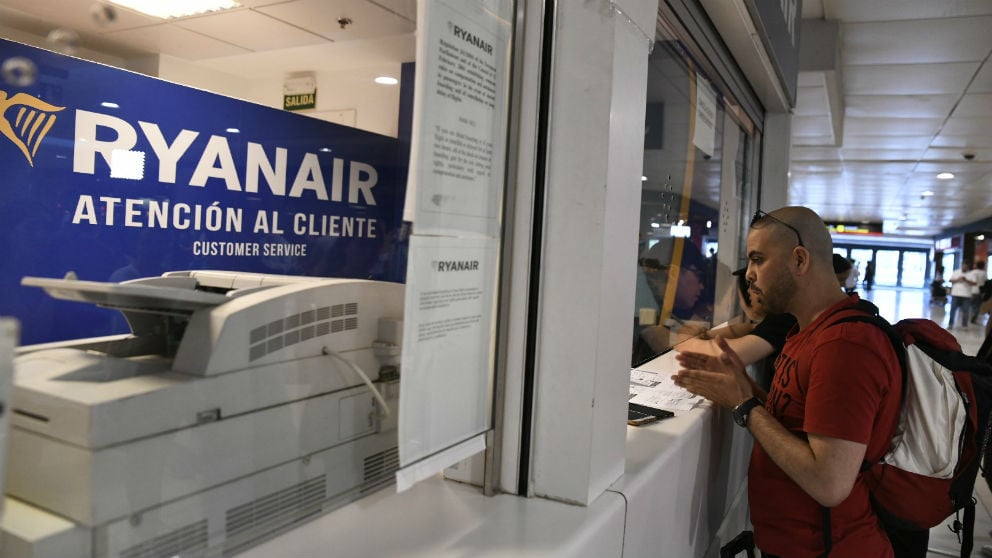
[916,95]
[916,87]
[261,38]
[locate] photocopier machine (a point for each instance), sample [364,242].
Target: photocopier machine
[239,405]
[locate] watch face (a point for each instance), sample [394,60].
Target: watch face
[741,411]
[739,417]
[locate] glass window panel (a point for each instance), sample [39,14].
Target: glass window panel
[680,196]
[887,268]
[914,269]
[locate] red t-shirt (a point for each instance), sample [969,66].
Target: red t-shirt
[843,381]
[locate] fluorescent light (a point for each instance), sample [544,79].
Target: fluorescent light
[176,8]
[945,175]
[108,104]
[386,80]
[233,131]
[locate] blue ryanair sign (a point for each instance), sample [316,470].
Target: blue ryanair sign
[114,175]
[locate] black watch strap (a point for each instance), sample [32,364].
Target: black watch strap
[742,411]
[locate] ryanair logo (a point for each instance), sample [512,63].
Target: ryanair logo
[29,121]
[455,265]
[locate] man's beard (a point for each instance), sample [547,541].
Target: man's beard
[780,290]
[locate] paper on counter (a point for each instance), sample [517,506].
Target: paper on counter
[660,392]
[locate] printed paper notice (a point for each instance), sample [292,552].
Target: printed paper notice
[458,151]
[704,132]
[446,371]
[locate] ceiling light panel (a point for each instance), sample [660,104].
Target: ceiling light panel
[176,8]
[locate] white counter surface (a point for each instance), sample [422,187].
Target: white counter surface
[681,496]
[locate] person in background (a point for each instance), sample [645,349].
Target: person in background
[938,291]
[979,276]
[843,270]
[757,339]
[851,285]
[833,404]
[654,272]
[869,281]
[961,284]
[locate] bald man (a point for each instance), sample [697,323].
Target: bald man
[834,401]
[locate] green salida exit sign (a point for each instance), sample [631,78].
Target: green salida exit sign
[300,101]
[299,91]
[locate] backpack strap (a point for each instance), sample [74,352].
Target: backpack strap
[828,541]
[968,529]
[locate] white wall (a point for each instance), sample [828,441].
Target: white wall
[349,97]
[351,93]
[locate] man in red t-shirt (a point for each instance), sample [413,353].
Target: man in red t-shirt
[833,403]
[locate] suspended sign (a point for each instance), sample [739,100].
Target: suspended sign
[299,92]
[113,176]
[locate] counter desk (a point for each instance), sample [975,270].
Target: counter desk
[682,495]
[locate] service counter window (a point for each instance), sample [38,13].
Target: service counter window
[223,261]
[694,183]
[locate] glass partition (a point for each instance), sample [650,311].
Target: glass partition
[208,262]
[678,239]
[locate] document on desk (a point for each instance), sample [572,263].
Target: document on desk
[657,390]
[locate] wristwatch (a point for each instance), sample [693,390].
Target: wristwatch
[741,411]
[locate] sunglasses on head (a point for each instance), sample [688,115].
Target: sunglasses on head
[759,215]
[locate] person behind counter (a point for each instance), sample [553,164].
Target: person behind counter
[759,337]
[654,272]
[833,403]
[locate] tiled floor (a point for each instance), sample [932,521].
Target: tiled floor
[896,304]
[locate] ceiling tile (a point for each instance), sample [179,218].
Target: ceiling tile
[917,41]
[344,56]
[974,105]
[801,153]
[802,168]
[891,126]
[403,8]
[908,79]
[964,142]
[176,41]
[887,142]
[75,15]
[963,170]
[968,126]
[983,81]
[900,106]
[955,154]
[870,154]
[250,30]
[877,168]
[883,10]
[368,20]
